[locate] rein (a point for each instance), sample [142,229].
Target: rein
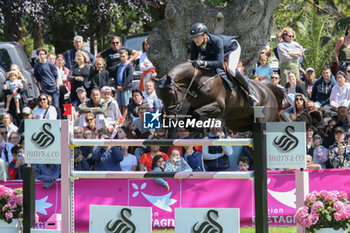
[179,104]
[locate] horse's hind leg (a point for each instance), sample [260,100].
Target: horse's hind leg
[208,110]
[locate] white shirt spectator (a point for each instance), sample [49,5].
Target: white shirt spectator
[113,112]
[339,94]
[145,63]
[49,114]
[128,162]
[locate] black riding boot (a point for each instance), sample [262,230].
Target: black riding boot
[253,99]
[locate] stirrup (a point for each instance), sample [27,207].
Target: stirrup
[253,99]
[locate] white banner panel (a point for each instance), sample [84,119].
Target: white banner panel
[207,220]
[286,144]
[106,218]
[42,141]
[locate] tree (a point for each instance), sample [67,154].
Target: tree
[13,27]
[57,21]
[318,43]
[250,20]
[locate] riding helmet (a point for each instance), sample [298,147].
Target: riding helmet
[198,29]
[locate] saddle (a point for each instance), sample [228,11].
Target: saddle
[229,79]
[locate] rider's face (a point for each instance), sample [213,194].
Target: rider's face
[199,39]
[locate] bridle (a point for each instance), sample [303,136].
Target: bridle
[176,88]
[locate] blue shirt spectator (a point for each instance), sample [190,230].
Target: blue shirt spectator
[48,173]
[322,88]
[69,55]
[107,159]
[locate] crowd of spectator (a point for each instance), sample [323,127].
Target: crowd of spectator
[105,105]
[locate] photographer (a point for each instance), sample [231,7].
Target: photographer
[17,164]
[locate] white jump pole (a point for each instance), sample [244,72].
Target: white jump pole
[302,189]
[67,193]
[169,142]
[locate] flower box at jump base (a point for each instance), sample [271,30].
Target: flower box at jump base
[325,212]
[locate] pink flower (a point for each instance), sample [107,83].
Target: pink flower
[342,195]
[305,223]
[9,215]
[302,216]
[313,218]
[323,193]
[339,206]
[347,210]
[331,196]
[317,205]
[337,216]
[4,191]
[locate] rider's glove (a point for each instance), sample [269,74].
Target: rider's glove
[199,64]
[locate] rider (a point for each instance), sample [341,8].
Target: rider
[212,49]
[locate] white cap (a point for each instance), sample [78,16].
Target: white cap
[310,69]
[106,88]
[26,110]
[81,88]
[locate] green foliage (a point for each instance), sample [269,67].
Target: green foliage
[311,32]
[314,23]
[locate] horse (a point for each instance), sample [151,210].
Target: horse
[209,96]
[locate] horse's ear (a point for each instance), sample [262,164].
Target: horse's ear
[160,81]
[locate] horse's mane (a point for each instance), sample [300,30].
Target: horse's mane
[278,94]
[180,68]
[187,66]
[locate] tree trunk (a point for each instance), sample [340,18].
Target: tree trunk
[62,36]
[38,36]
[250,20]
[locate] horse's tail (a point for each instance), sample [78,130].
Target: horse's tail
[278,94]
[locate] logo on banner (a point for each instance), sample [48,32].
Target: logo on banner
[151,120]
[288,141]
[209,226]
[286,198]
[162,202]
[44,138]
[124,225]
[41,205]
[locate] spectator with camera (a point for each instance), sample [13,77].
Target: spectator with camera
[17,163]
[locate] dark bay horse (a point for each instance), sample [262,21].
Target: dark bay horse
[210,97]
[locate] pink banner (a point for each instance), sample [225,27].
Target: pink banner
[185,193]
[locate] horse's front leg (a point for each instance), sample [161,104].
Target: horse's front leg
[209,110]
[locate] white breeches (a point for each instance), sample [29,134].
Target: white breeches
[233,59]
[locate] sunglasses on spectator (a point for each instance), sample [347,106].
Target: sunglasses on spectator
[290,36]
[274,77]
[348,71]
[317,138]
[90,119]
[296,99]
[42,99]
[115,42]
[3,133]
